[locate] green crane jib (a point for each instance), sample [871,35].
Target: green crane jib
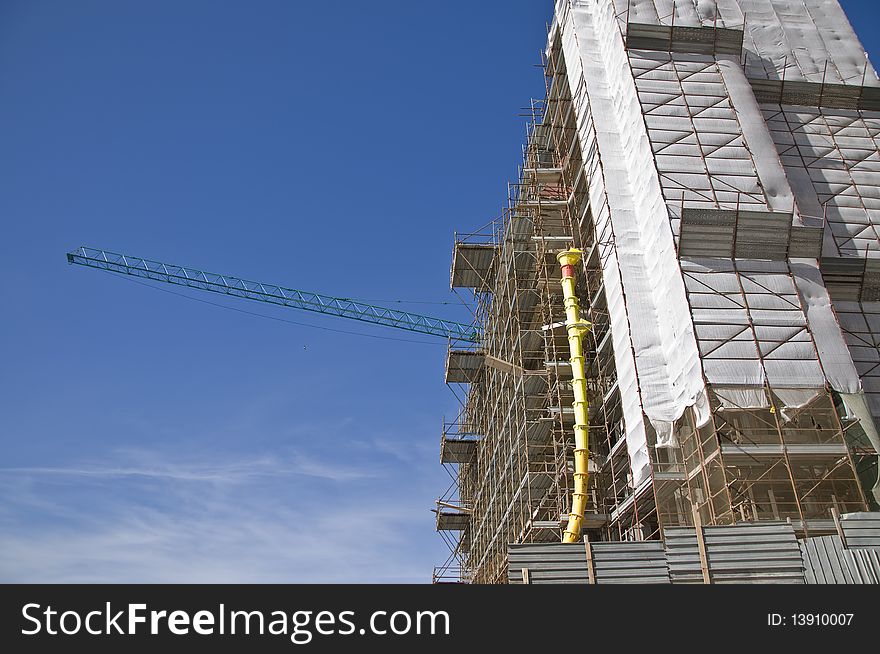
[288,297]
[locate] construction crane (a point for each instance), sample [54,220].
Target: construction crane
[271,293]
[352,309]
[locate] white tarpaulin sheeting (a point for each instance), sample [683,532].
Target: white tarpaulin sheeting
[667,131]
[812,40]
[656,312]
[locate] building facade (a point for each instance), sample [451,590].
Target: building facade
[718,163]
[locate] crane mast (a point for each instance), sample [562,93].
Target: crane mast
[271,293]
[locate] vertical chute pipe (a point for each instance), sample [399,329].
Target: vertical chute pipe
[576,329]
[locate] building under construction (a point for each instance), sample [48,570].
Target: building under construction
[712,169]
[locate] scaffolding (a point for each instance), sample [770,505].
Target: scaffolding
[518,485]
[760,447]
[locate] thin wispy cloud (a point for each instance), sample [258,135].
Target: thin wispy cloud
[216,541]
[236,472]
[256,520]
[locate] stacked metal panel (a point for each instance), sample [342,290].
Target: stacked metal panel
[630,563]
[738,554]
[746,553]
[683,556]
[861,530]
[613,563]
[548,563]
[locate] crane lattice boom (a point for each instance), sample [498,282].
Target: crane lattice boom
[273,294]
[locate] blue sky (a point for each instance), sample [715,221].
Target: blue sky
[333,147]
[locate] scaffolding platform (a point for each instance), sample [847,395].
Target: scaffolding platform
[448,520]
[559,367]
[473,265]
[457,450]
[852,279]
[748,453]
[591,520]
[464,366]
[543,175]
[767,235]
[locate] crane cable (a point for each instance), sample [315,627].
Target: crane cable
[262,315]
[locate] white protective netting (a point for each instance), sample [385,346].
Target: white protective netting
[832,157]
[811,40]
[665,131]
[652,328]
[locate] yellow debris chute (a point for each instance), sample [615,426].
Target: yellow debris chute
[576,329]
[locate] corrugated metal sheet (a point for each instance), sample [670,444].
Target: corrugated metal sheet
[765,553]
[548,563]
[828,562]
[744,553]
[683,555]
[864,565]
[762,235]
[861,529]
[613,563]
[823,561]
[843,277]
[805,242]
[871,282]
[762,553]
[630,563]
